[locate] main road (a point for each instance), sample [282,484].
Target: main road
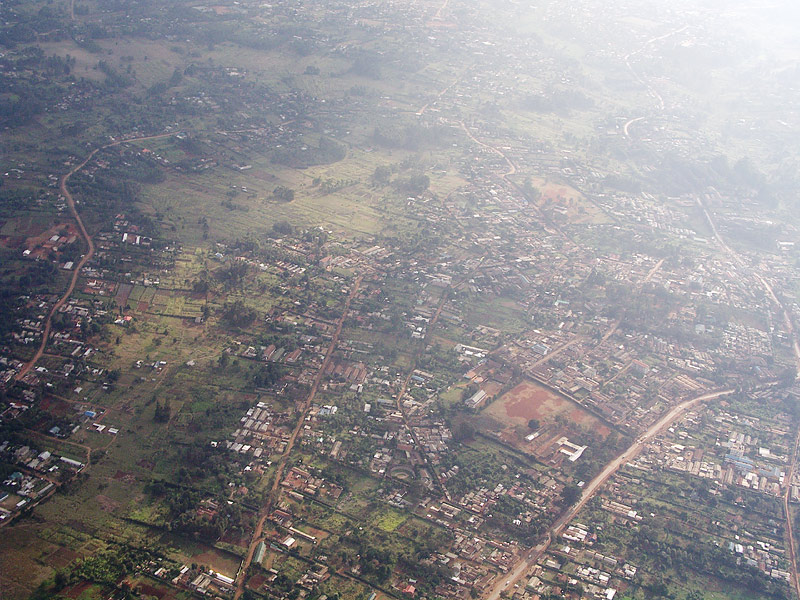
[789,323]
[789,532]
[241,575]
[531,557]
[650,89]
[739,262]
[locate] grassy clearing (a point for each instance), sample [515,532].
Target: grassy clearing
[388,520]
[502,315]
[356,210]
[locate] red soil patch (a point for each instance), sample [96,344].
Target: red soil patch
[492,388]
[242,542]
[123,292]
[78,589]
[256,581]
[54,406]
[531,401]
[6,241]
[40,245]
[149,590]
[24,227]
[528,401]
[62,557]
[106,503]
[125,476]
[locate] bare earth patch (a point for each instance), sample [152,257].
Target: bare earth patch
[106,503]
[529,401]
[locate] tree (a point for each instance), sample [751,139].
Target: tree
[462,431]
[531,192]
[469,391]
[283,228]
[381,175]
[570,495]
[413,185]
[162,412]
[236,314]
[200,286]
[283,193]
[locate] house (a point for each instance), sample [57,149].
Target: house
[259,553]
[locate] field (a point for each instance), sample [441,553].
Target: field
[529,401]
[14,231]
[353,211]
[218,561]
[570,203]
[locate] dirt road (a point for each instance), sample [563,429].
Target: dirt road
[86,257]
[241,575]
[75,273]
[533,556]
[511,168]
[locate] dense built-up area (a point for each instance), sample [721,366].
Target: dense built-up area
[437,307]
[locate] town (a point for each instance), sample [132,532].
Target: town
[392,322]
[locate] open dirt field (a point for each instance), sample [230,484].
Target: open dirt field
[218,561]
[529,401]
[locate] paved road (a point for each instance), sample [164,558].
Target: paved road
[739,262]
[787,320]
[439,12]
[626,129]
[651,90]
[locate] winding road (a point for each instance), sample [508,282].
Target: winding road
[739,262]
[627,128]
[85,258]
[650,89]
[439,12]
[75,273]
[789,532]
[422,110]
[511,167]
